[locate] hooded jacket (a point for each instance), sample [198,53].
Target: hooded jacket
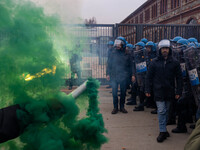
[161,77]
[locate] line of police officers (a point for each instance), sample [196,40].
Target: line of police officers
[164,76]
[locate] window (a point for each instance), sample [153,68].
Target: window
[136,19]
[132,21]
[147,15]
[154,11]
[175,3]
[163,6]
[141,18]
[192,21]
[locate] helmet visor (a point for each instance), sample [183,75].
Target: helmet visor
[118,43]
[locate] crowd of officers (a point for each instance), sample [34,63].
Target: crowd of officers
[163,75]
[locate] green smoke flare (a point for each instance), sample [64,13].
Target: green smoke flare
[48,118]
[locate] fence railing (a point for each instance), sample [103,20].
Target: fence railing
[156,32]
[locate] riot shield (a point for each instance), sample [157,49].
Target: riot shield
[140,61]
[141,67]
[178,54]
[192,60]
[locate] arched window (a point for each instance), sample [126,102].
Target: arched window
[192,21]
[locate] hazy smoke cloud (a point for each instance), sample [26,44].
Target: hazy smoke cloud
[68,10]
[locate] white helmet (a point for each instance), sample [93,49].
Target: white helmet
[164,43]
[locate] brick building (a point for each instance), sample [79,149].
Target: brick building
[166,12]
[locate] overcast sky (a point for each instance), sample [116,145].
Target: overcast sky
[105,11]
[109,11]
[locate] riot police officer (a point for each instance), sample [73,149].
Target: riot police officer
[140,73]
[192,59]
[132,100]
[150,55]
[118,71]
[183,107]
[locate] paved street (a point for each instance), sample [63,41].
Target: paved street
[135,130]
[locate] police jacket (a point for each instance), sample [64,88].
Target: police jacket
[110,51]
[161,77]
[150,56]
[119,66]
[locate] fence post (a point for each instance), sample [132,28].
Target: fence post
[139,32]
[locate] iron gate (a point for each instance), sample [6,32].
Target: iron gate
[95,49]
[156,32]
[94,57]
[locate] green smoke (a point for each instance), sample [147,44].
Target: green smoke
[30,41]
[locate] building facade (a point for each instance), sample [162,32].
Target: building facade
[166,12]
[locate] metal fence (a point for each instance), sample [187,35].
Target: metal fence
[98,35]
[95,49]
[156,32]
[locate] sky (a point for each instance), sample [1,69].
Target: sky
[109,11]
[105,11]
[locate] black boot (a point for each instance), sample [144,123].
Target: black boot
[154,111]
[131,103]
[167,134]
[139,108]
[162,136]
[179,130]
[123,110]
[114,111]
[192,126]
[130,99]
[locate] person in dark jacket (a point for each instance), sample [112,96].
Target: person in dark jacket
[150,54]
[110,51]
[75,69]
[162,74]
[118,71]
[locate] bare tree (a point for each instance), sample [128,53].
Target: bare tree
[91,21]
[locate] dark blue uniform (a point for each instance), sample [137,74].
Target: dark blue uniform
[119,70]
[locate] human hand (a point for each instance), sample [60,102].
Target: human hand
[177,96]
[133,79]
[148,94]
[108,77]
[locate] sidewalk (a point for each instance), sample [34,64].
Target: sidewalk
[135,130]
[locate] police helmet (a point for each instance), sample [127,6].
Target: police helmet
[150,43]
[144,40]
[111,43]
[140,44]
[120,41]
[197,44]
[175,39]
[184,42]
[129,46]
[192,40]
